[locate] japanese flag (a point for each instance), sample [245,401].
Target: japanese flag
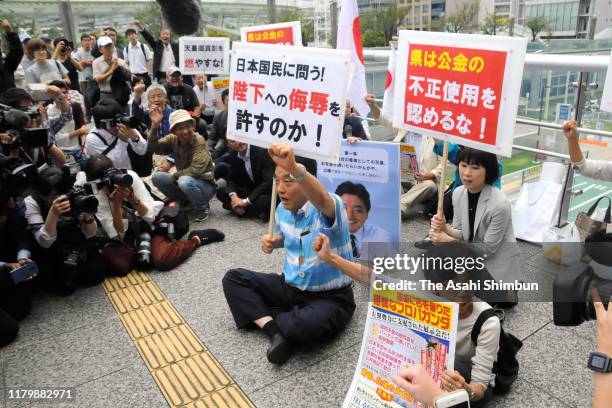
[349,38]
[387,110]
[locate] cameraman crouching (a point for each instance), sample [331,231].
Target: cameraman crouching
[116,188]
[112,138]
[61,220]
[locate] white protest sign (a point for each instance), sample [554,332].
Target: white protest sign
[459,87]
[606,99]
[207,55]
[289,33]
[288,94]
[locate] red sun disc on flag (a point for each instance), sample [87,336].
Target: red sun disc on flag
[357,39]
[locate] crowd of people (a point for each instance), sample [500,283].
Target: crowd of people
[122,154]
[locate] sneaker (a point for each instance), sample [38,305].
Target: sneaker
[201,215]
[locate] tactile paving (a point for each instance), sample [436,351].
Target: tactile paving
[187,374]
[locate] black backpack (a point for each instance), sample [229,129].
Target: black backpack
[506,367]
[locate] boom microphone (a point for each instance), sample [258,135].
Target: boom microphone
[183,16]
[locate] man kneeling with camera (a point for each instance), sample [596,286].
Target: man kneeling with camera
[151,227]
[60,216]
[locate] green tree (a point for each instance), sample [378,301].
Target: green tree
[307,23]
[385,21]
[151,17]
[536,24]
[16,21]
[463,21]
[373,38]
[494,23]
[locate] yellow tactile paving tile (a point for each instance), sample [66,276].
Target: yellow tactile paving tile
[187,374]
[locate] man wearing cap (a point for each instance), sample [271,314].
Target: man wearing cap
[181,95]
[192,183]
[9,64]
[105,66]
[138,57]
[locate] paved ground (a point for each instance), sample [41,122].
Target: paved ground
[80,341]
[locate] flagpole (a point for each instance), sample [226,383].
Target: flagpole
[441,183]
[272,209]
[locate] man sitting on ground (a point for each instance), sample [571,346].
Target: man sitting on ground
[248,172]
[311,300]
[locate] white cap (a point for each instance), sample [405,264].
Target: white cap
[104,41]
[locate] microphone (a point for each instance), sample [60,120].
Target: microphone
[183,16]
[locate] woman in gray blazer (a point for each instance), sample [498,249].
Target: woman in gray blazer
[483,217]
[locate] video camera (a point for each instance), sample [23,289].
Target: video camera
[15,122]
[128,121]
[573,286]
[15,177]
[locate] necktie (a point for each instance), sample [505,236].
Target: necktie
[354,246]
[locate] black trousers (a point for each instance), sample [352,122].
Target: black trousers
[145,77]
[301,316]
[466,372]
[15,305]
[261,206]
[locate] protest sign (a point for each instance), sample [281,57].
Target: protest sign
[374,165]
[606,98]
[409,164]
[402,330]
[220,83]
[204,55]
[289,33]
[463,88]
[288,94]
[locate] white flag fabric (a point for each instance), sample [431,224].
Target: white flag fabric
[349,38]
[387,110]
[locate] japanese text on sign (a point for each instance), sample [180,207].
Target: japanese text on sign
[203,55]
[432,313]
[289,33]
[283,97]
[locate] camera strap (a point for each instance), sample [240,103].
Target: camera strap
[110,146]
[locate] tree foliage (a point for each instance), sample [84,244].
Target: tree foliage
[536,25]
[493,24]
[152,18]
[464,20]
[380,26]
[296,14]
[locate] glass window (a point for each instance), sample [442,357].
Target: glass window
[417,9]
[425,19]
[425,8]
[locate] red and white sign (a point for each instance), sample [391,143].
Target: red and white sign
[464,88]
[289,33]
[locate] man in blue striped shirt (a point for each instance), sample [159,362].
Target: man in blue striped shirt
[311,300]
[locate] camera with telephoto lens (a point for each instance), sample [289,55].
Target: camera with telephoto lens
[15,122]
[81,201]
[15,177]
[573,285]
[112,177]
[128,121]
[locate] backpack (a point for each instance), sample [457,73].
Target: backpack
[507,366]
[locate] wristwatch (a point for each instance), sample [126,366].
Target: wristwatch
[471,393]
[599,362]
[300,176]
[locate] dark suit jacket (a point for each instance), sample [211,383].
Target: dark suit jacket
[9,64]
[358,130]
[158,50]
[263,171]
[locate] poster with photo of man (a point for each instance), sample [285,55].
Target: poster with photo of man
[366,178]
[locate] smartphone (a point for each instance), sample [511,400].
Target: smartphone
[24,272]
[455,399]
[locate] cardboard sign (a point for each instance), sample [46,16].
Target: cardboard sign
[204,55]
[289,33]
[288,94]
[459,87]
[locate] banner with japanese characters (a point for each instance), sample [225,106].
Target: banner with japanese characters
[460,87]
[288,94]
[606,98]
[204,55]
[409,163]
[289,33]
[402,330]
[367,180]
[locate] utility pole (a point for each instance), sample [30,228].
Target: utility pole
[271,11]
[71,29]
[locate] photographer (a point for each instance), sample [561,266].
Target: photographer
[112,138]
[116,189]
[63,54]
[61,220]
[10,62]
[27,145]
[68,138]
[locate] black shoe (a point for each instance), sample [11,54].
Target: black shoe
[423,244]
[280,349]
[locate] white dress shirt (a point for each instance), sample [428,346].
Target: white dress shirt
[206,96]
[247,162]
[135,59]
[167,59]
[374,234]
[596,169]
[119,154]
